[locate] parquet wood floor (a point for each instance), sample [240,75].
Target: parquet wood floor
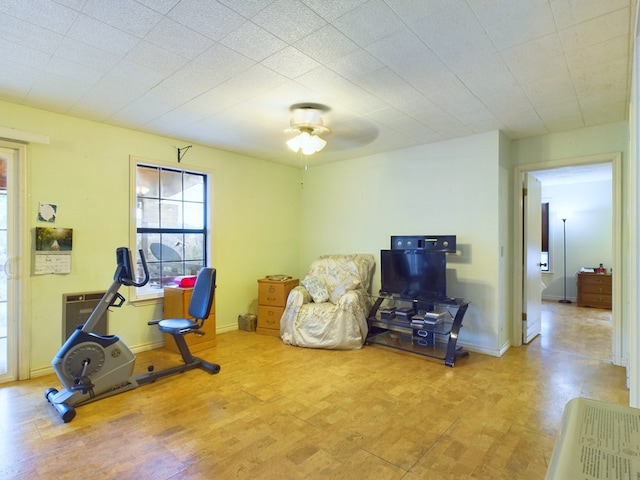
[282,412]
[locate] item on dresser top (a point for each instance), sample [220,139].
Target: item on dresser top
[185,282]
[279,278]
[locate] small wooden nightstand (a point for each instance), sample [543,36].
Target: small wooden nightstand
[176,305]
[272,298]
[594,290]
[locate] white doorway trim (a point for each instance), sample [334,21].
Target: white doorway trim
[616,162]
[19,258]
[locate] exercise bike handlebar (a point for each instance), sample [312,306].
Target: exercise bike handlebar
[125,272]
[145,270]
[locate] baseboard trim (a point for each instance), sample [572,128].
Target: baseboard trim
[485,351]
[227,328]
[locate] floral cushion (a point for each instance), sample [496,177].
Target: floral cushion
[316,289]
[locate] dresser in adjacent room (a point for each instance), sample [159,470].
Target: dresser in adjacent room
[176,305]
[272,298]
[594,290]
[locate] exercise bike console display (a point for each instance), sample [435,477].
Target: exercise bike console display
[92,366]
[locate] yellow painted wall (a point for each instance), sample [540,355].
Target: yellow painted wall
[85,172]
[264,222]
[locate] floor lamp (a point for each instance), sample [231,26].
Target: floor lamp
[564,259]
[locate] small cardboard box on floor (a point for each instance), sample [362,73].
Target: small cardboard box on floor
[247,322]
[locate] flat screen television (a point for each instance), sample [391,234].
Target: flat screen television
[414,273]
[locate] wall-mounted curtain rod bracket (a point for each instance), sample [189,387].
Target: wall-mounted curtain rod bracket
[182,151]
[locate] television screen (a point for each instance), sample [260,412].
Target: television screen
[414,273]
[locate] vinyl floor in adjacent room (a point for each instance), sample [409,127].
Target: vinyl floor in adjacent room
[281,412]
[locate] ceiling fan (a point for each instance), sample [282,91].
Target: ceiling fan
[307,125]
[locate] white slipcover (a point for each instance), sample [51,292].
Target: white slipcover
[340,322]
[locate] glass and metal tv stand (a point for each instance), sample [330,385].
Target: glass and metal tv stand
[423,327]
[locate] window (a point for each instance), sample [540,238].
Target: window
[545,264]
[170,223]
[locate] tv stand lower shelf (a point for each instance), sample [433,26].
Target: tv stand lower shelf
[438,341]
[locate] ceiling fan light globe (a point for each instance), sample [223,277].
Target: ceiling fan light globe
[294,143]
[308,149]
[309,144]
[318,143]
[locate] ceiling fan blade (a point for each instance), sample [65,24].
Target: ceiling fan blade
[352,133]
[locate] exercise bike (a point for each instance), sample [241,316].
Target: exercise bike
[92,366]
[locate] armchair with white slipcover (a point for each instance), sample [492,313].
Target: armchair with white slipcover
[330,307]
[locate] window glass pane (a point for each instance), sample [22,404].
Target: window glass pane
[544,261]
[166,250]
[194,248]
[171,214]
[145,242]
[148,213]
[193,215]
[171,270]
[147,182]
[193,187]
[171,184]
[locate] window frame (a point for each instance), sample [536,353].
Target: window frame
[135,296]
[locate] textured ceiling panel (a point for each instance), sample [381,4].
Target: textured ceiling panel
[390,73]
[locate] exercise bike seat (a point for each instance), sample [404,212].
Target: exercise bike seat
[178,326]
[199,306]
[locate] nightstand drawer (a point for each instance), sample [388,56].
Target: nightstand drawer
[269,317]
[601,288]
[271,293]
[596,300]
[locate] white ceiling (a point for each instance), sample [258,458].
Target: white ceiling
[395,73]
[595,172]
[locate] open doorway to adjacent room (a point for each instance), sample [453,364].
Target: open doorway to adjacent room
[586,192]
